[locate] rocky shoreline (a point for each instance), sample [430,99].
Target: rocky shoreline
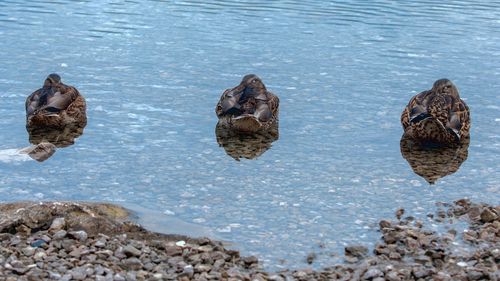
[90,241]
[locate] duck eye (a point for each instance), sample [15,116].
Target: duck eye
[254,81]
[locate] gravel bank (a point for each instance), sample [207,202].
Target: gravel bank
[88,241]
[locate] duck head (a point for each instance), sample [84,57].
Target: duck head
[253,85]
[446,87]
[52,80]
[250,87]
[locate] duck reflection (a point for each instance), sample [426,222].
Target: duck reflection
[46,140]
[250,146]
[433,163]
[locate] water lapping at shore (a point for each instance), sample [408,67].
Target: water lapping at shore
[92,241]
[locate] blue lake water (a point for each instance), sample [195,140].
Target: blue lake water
[152,72]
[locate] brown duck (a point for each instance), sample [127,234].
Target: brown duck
[248,107]
[55,105]
[437,116]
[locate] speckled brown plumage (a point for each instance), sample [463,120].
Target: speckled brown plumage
[55,105]
[437,115]
[248,107]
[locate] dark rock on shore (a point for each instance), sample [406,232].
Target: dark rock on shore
[88,241]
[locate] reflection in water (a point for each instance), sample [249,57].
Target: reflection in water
[59,137]
[45,140]
[249,146]
[433,163]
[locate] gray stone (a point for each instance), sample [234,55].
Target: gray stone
[131,276]
[488,215]
[54,275]
[57,224]
[119,277]
[131,251]
[202,268]
[250,260]
[188,271]
[276,277]
[79,235]
[28,251]
[474,274]
[66,277]
[356,251]
[77,253]
[100,243]
[132,263]
[219,263]
[205,248]
[392,276]
[59,234]
[78,273]
[372,273]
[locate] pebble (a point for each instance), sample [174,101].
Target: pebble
[373,273]
[80,235]
[488,215]
[131,251]
[132,263]
[57,224]
[59,234]
[28,251]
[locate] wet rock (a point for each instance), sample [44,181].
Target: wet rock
[356,251]
[310,258]
[384,224]
[250,260]
[40,152]
[488,215]
[399,213]
[372,274]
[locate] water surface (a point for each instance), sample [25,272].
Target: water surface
[152,72]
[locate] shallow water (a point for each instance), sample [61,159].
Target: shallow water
[152,72]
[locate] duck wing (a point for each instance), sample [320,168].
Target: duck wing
[32,102]
[414,110]
[273,103]
[459,119]
[229,103]
[61,99]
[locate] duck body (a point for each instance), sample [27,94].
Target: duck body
[437,116]
[55,105]
[248,107]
